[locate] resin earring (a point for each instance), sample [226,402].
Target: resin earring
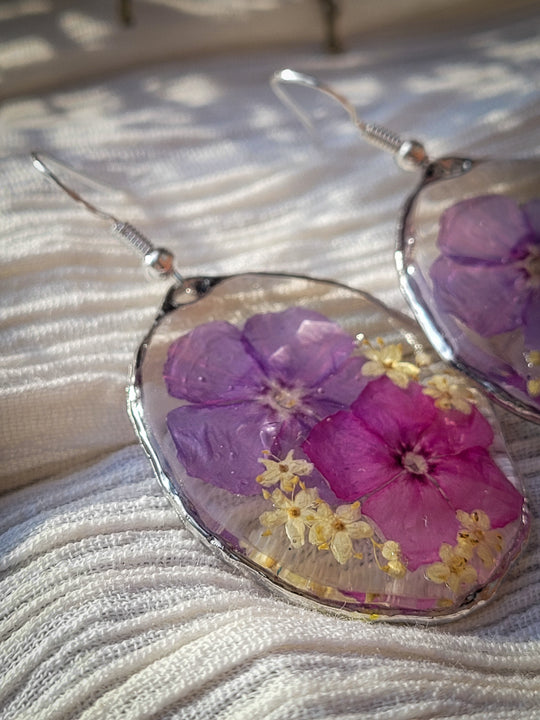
[307,432]
[468,258]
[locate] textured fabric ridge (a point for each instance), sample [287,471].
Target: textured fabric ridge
[110,607]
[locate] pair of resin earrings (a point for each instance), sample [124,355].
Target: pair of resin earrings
[314,436]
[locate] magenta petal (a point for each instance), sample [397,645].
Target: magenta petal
[299,347]
[531,320]
[210,365]
[222,445]
[487,298]
[482,228]
[397,415]
[413,513]
[354,460]
[472,481]
[452,432]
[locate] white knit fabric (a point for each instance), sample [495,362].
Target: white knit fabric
[109,607]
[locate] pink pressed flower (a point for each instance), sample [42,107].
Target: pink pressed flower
[412,466]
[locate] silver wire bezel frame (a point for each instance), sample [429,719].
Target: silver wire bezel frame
[441,170]
[198,287]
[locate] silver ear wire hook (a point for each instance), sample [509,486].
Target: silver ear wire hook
[408,154]
[159,260]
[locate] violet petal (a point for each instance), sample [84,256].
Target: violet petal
[222,445]
[488,299]
[298,347]
[484,228]
[338,390]
[210,365]
[291,434]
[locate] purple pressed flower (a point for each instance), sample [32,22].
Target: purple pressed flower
[412,466]
[257,389]
[488,273]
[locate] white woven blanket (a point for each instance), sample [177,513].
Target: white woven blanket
[109,608]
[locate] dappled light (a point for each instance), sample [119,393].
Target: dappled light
[110,608]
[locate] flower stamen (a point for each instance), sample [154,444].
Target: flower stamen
[391,551]
[533,383]
[449,391]
[335,531]
[294,513]
[454,569]
[388,360]
[282,399]
[531,265]
[415,463]
[476,536]
[286,472]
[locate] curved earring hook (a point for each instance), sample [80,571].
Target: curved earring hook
[409,154]
[160,260]
[39,163]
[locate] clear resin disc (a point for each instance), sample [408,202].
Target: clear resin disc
[469,262]
[311,435]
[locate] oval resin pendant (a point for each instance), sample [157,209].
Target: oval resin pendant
[469,263]
[304,430]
